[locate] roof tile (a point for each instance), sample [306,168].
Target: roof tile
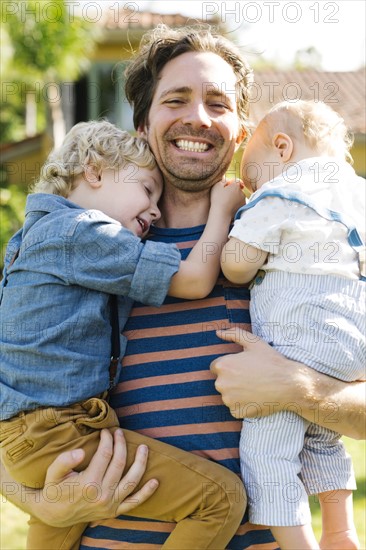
[343,91]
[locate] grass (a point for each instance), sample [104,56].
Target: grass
[14,522]
[357,449]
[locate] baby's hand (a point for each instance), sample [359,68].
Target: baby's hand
[227,196]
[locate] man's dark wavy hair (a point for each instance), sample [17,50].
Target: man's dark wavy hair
[163,44]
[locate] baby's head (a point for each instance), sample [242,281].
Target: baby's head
[101,167]
[313,125]
[289,133]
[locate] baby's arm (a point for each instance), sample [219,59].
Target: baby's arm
[198,274]
[241,261]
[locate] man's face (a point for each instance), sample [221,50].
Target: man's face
[193,126]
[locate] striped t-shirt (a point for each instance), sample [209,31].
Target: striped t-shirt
[166,391]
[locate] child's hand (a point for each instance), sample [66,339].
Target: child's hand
[227,196]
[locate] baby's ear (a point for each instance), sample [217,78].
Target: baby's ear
[92,175]
[284,146]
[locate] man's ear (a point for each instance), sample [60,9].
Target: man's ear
[284,146]
[142,131]
[93,175]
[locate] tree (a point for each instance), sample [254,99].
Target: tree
[43,48]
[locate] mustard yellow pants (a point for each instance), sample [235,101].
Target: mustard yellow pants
[206,500]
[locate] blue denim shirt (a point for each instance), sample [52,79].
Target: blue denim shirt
[56,333]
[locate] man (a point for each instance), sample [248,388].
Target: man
[189,93]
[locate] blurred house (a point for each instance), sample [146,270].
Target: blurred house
[100,92]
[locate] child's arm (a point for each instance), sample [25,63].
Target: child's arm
[198,274]
[240,261]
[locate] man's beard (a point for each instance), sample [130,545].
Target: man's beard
[193,174]
[194,180]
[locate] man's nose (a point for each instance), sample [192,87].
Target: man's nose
[197,116]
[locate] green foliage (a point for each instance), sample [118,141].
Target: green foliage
[29,37]
[13,107]
[39,47]
[50,45]
[12,118]
[12,203]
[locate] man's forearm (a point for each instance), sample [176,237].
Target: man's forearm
[259,381]
[332,403]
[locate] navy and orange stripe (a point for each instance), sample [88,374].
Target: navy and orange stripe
[166,391]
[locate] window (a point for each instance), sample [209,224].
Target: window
[101,95]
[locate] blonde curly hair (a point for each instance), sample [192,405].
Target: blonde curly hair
[96,143]
[323,129]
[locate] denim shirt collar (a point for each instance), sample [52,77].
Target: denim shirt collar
[39,205]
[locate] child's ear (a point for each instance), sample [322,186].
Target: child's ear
[284,146]
[93,175]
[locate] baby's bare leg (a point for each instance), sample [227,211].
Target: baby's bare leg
[299,537]
[339,532]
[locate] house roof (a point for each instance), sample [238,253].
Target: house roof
[343,91]
[24,147]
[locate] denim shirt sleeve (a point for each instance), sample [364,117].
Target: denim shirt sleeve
[105,256]
[11,249]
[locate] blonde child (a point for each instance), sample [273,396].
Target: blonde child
[80,246]
[301,228]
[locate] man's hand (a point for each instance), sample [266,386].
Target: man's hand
[259,381]
[103,490]
[250,381]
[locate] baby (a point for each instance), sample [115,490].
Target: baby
[301,228]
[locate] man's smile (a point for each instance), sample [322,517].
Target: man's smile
[195,146]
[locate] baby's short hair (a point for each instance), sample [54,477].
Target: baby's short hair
[96,143]
[323,128]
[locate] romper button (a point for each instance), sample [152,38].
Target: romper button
[259,278]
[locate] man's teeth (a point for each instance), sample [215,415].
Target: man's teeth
[191,145]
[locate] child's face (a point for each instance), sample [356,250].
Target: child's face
[259,162]
[130,195]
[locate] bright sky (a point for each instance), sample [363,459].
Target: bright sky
[278,28]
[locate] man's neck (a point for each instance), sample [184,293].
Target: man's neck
[181,209]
